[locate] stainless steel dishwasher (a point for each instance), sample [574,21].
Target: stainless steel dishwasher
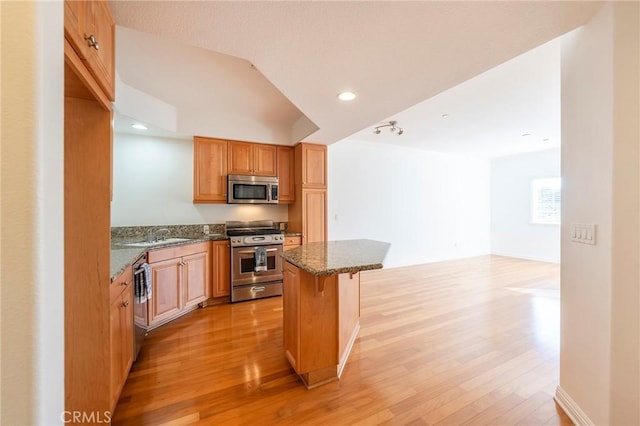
[142,293]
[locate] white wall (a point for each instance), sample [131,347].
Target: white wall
[32,243]
[600,330]
[512,233]
[429,206]
[153,185]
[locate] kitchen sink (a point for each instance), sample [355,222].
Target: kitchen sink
[156,243]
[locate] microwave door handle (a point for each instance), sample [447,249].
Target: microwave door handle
[269,193]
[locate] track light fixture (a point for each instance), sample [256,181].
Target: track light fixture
[393,128]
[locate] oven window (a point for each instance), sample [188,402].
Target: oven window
[249,192]
[247,265]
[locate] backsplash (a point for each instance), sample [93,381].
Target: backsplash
[126,234]
[139,233]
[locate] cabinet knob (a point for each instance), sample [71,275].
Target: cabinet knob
[124,283]
[92,41]
[125,303]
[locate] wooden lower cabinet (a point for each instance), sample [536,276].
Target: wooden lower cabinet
[292,242]
[321,322]
[121,333]
[166,296]
[196,278]
[220,264]
[181,280]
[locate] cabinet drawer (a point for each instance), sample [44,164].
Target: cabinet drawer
[121,283]
[179,251]
[292,241]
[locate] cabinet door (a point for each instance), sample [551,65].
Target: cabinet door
[291,314]
[265,160]
[101,58]
[240,158]
[166,297]
[209,170]
[75,16]
[314,166]
[220,267]
[314,213]
[121,336]
[286,174]
[196,278]
[115,332]
[126,321]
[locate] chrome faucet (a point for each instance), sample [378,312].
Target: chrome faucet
[161,234]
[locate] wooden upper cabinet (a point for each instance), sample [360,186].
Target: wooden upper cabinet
[265,160]
[74,23]
[209,170]
[246,158]
[308,213]
[314,165]
[102,59]
[286,174]
[240,158]
[90,29]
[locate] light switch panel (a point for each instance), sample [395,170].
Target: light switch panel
[584,233]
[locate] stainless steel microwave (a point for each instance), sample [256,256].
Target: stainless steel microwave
[245,189]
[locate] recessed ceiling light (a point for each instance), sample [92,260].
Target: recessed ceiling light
[139,126]
[346,96]
[545,140]
[445,115]
[526,134]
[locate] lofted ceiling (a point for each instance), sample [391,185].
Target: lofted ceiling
[403,60]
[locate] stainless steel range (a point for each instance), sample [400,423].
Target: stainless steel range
[256,265]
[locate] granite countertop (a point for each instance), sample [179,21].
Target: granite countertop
[338,257]
[123,256]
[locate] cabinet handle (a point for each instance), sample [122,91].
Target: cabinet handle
[125,303]
[92,41]
[124,283]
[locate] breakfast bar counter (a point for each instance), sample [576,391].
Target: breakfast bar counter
[321,300]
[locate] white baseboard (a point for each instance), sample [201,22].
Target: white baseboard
[573,410]
[526,257]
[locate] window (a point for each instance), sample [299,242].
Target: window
[545,201]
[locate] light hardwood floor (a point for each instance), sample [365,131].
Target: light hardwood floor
[471,341]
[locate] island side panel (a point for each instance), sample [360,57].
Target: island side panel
[319,323]
[291,315]
[349,315]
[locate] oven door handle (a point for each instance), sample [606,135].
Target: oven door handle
[253,251]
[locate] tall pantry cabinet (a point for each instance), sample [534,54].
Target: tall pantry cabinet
[92,329]
[308,213]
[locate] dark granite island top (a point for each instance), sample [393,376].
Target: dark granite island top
[338,257]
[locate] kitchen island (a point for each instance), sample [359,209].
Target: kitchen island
[322,304]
